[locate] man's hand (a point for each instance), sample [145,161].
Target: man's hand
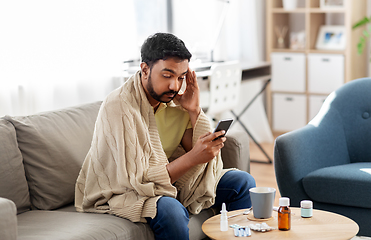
[190,99]
[203,151]
[206,148]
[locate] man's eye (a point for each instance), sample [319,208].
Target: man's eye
[167,76]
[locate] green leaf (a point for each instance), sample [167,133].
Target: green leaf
[360,47]
[362,22]
[365,33]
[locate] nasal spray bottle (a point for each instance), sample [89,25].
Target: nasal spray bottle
[223,219]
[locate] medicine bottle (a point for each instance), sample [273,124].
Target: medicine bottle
[306,208]
[284,214]
[223,219]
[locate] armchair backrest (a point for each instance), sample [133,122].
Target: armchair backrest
[350,108]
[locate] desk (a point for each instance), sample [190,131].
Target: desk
[323,225]
[250,71]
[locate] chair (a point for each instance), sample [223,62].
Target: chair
[329,160]
[225,82]
[225,88]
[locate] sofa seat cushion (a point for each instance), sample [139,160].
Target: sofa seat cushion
[54,145]
[66,224]
[194,225]
[348,185]
[46,225]
[13,184]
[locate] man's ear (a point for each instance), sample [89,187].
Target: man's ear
[145,70]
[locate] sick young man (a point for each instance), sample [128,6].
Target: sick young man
[134,168]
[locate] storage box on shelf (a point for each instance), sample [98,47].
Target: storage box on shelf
[315,103]
[288,72]
[325,72]
[289,111]
[307,73]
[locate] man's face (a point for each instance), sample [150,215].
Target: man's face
[163,82]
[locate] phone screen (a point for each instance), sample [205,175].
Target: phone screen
[223,125]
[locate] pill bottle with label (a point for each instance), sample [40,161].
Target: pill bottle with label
[306,208]
[284,214]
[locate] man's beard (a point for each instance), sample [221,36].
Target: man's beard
[154,95]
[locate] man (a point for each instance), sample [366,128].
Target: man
[140,126]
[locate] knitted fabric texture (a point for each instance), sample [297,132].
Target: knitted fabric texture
[124,172]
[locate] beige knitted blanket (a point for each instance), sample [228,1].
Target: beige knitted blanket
[125,173]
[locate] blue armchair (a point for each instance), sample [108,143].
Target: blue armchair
[329,160]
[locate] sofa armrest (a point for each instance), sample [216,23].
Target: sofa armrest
[236,152]
[8,219]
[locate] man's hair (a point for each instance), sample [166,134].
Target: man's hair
[162,46]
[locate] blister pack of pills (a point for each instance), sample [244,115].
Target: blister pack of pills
[261,227]
[241,231]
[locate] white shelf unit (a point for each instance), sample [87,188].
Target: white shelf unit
[308,75]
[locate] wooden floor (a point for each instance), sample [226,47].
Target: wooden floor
[263,173]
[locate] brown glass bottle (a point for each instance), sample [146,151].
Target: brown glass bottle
[284,214]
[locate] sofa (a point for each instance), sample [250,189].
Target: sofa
[329,160]
[40,159]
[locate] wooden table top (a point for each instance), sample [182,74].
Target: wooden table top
[323,225]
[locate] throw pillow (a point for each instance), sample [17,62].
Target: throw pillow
[13,184]
[54,145]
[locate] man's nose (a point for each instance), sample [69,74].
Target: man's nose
[174,85]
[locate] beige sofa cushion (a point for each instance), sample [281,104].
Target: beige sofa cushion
[54,145]
[236,152]
[13,184]
[65,223]
[8,219]
[58,225]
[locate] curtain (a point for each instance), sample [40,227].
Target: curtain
[242,31]
[60,53]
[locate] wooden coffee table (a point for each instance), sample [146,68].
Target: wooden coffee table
[323,225]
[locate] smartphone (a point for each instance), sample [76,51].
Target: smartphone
[223,125]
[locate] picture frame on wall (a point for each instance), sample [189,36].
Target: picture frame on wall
[331,38]
[332,3]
